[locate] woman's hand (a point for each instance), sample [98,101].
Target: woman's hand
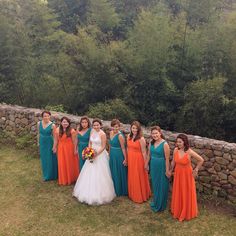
[125,162]
[95,154]
[195,172]
[146,166]
[75,151]
[168,174]
[54,149]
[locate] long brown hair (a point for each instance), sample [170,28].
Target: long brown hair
[68,129]
[159,130]
[139,133]
[184,138]
[80,123]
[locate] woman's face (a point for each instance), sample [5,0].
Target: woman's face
[156,135]
[134,129]
[180,143]
[46,117]
[116,128]
[84,124]
[96,126]
[64,124]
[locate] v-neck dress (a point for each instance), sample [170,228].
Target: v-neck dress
[83,142]
[118,170]
[47,157]
[138,183]
[160,183]
[184,198]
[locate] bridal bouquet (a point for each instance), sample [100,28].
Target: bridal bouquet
[89,154]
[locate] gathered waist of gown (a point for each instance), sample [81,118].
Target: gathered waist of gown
[157,157]
[181,166]
[103,152]
[83,142]
[115,147]
[45,135]
[132,149]
[96,148]
[65,140]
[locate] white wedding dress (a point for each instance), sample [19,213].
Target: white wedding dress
[94,185]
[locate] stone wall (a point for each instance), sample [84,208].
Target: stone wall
[217,175]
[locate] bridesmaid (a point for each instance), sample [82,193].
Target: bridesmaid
[159,153]
[138,183]
[184,199]
[83,135]
[45,142]
[118,159]
[68,170]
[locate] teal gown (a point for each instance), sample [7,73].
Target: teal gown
[47,157]
[118,170]
[83,142]
[160,183]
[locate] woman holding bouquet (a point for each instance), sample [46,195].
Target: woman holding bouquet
[94,185]
[118,159]
[184,199]
[64,145]
[138,183]
[45,141]
[83,138]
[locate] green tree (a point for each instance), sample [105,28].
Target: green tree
[203,109]
[71,13]
[15,50]
[102,13]
[144,58]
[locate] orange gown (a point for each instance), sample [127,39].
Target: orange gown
[138,182]
[68,165]
[184,199]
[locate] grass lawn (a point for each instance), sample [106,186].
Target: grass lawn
[29,206]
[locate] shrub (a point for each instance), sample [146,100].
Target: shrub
[111,109]
[57,108]
[24,141]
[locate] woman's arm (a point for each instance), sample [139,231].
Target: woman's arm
[122,144]
[54,128]
[38,134]
[90,143]
[103,144]
[199,159]
[74,140]
[110,136]
[127,148]
[172,166]
[167,157]
[55,140]
[143,149]
[148,157]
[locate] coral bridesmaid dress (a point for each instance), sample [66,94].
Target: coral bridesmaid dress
[68,166]
[138,182]
[184,199]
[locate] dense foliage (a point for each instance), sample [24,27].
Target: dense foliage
[167,62]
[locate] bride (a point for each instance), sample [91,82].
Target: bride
[94,185]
